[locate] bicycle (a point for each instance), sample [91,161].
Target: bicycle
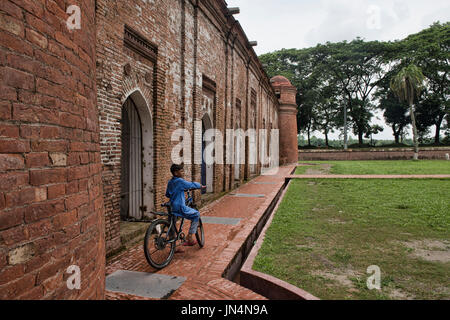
[162,235]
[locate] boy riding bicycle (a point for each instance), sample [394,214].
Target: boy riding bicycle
[175,191]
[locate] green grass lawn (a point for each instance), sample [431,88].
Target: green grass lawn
[326,233]
[381,167]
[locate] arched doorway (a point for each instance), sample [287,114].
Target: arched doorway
[137,195]
[207,172]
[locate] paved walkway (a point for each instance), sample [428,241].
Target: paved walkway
[204,267]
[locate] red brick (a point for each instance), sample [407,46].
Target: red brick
[11,162]
[64,219]
[39,25]
[36,230]
[40,211]
[14,236]
[14,146]
[17,45]
[11,218]
[49,146]
[56,191]
[77,173]
[47,176]
[39,259]
[37,160]
[2,202]
[51,269]
[28,113]
[29,132]
[15,78]
[72,187]
[26,64]
[37,38]
[11,273]
[53,283]
[7,93]
[34,294]
[12,180]
[20,198]
[13,289]
[11,8]
[9,131]
[12,25]
[72,121]
[76,200]
[5,110]
[34,7]
[79,146]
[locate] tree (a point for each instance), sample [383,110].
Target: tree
[371,130]
[355,67]
[407,85]
[298,66]
[395,114]
[429,50]
[430,113]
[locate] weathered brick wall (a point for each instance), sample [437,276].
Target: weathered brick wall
[287,119]
[374,154]
[51,204]
[195,40]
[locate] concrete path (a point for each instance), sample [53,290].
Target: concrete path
[232,220]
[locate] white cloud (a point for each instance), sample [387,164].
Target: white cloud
[304,23]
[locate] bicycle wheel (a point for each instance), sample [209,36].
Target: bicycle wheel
[159,244]
[200,235]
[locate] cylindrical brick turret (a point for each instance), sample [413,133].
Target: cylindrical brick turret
[287,119]
[51,205]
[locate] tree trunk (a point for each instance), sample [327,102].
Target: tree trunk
[397,137]
[396,132]
[326,138]
[416,143]
[437,137]
[309,137]
[360,137]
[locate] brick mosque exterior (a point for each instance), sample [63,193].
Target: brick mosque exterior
[87,118]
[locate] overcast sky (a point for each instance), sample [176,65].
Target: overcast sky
[278,24]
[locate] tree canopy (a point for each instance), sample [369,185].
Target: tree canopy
[354,78]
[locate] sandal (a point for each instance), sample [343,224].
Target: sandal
[189,244]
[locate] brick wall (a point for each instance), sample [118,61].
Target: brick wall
[51,205]
[195,40]
[373,154]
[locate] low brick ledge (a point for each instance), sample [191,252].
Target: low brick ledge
[406,149]
[264,284]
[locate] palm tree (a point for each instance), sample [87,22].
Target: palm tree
[407,85]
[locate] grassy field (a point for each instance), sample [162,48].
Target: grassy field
[378,167]
[326,233]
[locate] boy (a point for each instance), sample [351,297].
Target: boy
[175,191]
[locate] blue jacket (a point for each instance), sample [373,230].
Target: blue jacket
[175,191]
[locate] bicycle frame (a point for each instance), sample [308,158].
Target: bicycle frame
[173,219]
